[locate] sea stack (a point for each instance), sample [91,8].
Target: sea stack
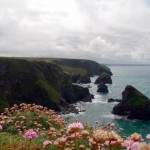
[104,78]
[134,105]
[102,88]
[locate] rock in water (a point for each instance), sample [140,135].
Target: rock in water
[82,94]
[110,100]
[102,88]
[134,105]
[105,78]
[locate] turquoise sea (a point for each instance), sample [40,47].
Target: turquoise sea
[100,110]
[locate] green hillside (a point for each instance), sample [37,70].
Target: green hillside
[74,66]
[37,81]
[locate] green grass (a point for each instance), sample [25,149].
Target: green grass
[17,142]
[49,60]
[104,75]
[71,70]
[23,76]
[17,65]
[52,93]
[137,101]
[75,71]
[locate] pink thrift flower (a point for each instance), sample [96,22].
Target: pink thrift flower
[136,146]
[74,127]
[107,143]
[120,129]
[112,142]
[148,136]
[42,134]
[92,142]
[1,127]
[46,143]
[30,134]
[128,144]
[112,124]
[75,136]
[56,143]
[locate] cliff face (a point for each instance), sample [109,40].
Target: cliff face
[134,104]
[92,67]
[35,82]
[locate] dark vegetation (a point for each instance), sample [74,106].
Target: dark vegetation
[44,82]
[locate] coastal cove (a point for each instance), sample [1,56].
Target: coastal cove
[100,110]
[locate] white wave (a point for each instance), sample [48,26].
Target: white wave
[97,96]
[72,114]
[112,116]
[81,113]
[98,101]
[93,79]
[68,115]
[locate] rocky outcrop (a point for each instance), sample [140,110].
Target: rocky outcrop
[134,105]
[102,88]
[110,100]
[80,79]
[104,78]
[37,82]
[82,93]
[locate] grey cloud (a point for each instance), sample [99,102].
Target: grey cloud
[109,29]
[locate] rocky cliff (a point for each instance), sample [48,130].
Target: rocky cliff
[37,82]
[134,104]
[91,67]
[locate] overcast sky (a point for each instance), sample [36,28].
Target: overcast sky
[91,29]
